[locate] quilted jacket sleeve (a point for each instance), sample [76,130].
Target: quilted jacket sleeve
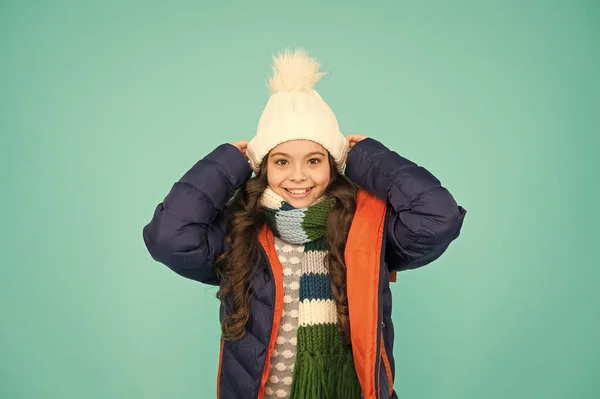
[187,230]
[423,216]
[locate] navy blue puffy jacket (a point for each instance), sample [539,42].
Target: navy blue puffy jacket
[187,233]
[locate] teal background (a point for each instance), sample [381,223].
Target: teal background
[104,105]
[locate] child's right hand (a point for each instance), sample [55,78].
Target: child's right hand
[242,146]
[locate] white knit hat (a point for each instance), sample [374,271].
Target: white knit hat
[295,111]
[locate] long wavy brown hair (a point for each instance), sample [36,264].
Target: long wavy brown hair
[244,221]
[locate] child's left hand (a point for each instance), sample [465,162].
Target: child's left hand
[354,138]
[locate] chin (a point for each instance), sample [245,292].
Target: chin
[305,203]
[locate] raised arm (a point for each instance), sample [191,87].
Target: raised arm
[187,231]
[424,218]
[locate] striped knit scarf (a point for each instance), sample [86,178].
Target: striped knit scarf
[324,367]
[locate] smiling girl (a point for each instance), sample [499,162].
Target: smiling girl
[304,251]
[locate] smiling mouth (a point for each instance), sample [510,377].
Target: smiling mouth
[298,192]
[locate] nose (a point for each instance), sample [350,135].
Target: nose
[297,173]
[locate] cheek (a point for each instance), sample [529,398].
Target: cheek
[274,177]
[323,177]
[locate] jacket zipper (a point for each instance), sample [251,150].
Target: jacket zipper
[377,371]
[386,363]
[380,323]
[273,299]
[379,310]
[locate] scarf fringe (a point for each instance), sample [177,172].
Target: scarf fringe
[325,376]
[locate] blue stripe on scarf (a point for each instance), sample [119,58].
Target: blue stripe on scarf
[315,286]
[289,226]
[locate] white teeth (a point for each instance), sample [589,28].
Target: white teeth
[298,191]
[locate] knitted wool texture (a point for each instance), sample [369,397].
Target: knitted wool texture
[295,111]
[324,366]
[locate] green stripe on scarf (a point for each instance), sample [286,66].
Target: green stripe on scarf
[324,367]
[314,223]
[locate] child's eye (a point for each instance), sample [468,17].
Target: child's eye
[281,162]
[314,161]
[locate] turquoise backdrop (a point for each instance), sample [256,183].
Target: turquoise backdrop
[105,104]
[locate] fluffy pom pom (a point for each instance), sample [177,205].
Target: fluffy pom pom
[294,71]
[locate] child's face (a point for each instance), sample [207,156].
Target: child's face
[299,171]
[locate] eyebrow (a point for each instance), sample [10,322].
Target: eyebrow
[307,155]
